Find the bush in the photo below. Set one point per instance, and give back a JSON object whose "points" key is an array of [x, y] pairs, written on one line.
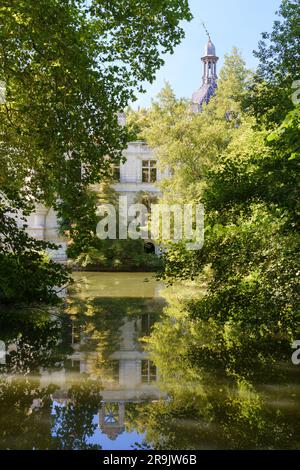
{"points": [[26, 272]]}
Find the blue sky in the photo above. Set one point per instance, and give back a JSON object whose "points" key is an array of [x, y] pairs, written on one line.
{"points": [[231, 23]]}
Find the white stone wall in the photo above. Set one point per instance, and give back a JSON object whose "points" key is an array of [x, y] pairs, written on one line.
{"points": [[131, 172], [43, 225]]}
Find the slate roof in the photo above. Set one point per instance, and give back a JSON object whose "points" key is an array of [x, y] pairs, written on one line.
{"points": [[209, 49]]}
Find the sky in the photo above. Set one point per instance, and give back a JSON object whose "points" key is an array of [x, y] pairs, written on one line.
{"points": [[230, 23]]}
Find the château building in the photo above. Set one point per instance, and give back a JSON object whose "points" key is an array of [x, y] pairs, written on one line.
{"points": [[139, 174]]}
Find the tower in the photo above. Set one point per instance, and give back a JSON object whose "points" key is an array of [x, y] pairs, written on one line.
{"points": [[209, 79]]}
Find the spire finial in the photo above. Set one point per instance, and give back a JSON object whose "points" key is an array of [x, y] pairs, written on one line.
{"points": [[206, 30]]}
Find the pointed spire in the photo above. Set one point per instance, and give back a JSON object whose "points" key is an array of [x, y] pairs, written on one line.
{"points": [[209, 79], [210, 63]]}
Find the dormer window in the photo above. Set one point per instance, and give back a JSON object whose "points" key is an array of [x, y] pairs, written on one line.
{"points": [[149, 171]]}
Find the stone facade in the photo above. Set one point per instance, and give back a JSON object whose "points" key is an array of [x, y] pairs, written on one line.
{"points": [[139, 173], [43, 225]]}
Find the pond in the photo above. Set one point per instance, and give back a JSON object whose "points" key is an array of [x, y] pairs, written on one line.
{"points": [[81, 376]]}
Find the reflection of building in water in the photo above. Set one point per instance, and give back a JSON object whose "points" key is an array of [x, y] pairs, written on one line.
{"points": [[131, 376], [112, 418], [128, 376]]}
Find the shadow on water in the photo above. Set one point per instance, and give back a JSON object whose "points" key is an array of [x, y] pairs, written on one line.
{"points": [[82, 377]]}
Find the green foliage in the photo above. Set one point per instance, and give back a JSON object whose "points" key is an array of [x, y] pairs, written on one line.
{"points": [[117, 255], [17, 419], [66, 82], [68, 68], [136, 121], [26, 272], [210, 403], [248, 180], [189, 144], [233, 82], [39, 338], [28, 427], [279, 66], [87, 251]]}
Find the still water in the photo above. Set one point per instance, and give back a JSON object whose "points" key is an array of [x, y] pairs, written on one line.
{"points": [[82, 377]]}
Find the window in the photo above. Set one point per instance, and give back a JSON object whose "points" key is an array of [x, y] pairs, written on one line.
{"points": [[149, 171], [113, 370], [116, 172], [148, 372]]}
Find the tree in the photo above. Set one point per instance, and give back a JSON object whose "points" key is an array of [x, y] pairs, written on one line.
{"points": [[68, 67], [26, 272], [189, 143], [247, 179], [136, 121], [87, 251], [279, 67], [232, 85]]}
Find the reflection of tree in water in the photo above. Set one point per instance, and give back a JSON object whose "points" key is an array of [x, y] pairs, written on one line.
{"points": [[25, 414], [34, 338], [224, 418], [28, 420], [73, 420], [209, 405], [43, 339]]}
